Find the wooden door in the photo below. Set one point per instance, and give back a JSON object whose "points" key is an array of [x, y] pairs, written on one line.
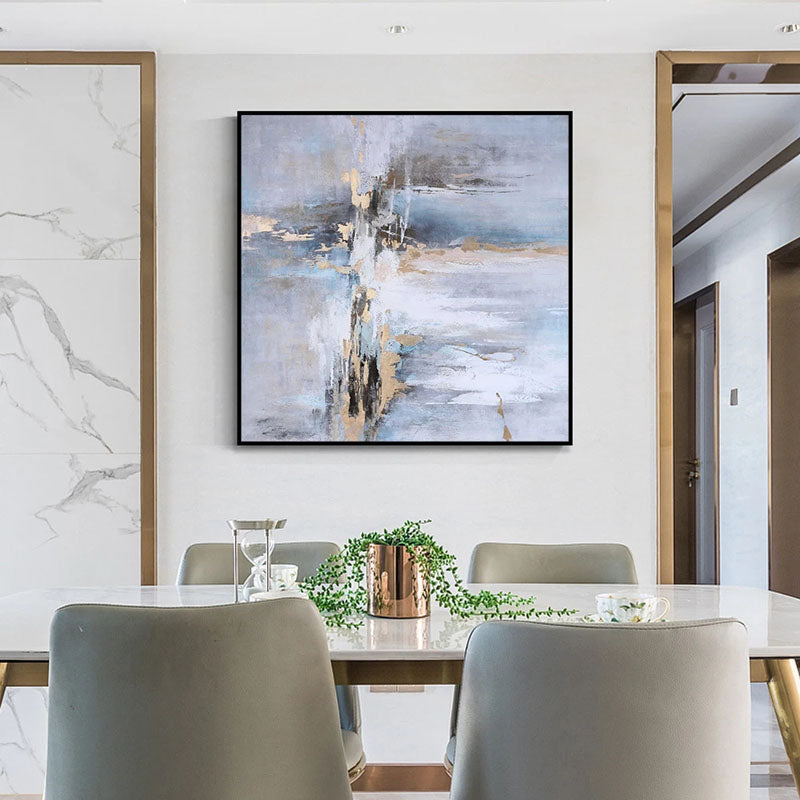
{"points": [[784, 410], [696, 438]]}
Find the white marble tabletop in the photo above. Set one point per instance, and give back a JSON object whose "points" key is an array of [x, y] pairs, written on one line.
{"points": [[772, 620]]}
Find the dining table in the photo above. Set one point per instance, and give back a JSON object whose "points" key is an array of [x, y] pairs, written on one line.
{"points": [[430, 650]]}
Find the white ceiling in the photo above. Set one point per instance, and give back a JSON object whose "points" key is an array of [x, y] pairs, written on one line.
{"points": [[772, 190], [451, 26], [720, 139]]}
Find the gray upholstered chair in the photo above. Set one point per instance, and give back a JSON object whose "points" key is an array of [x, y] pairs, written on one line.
{"points": [[499, 562], [607, 712], [503, 562], [219, 703], [209, 563]]}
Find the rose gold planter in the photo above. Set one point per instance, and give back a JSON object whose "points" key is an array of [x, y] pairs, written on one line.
{"points": [[396, 586]]}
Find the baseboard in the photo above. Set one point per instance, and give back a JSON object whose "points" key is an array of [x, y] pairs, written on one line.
{"points": [[403, 778]]}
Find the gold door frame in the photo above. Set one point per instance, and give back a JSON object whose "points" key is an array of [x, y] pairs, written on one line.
{"points": [[687, 67], [147, 267]]}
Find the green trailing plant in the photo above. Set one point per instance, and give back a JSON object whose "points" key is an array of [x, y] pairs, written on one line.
{"points": [[338, 588]]}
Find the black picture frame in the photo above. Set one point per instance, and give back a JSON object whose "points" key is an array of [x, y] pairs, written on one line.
{"points": [[455, 443]]}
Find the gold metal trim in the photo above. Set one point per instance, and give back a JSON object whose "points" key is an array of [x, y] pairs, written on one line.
{"points": [[403, 778], [668, 62], [354, 773], [26, 673], [664, 303], [147, 321], [448, 765], [345, 673], [147, 267], [758, 671], [784, 689], [3, 680], [723, 57], [397, 673]]}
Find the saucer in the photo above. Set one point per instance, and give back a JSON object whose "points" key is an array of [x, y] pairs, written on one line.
{"points": [[596, 618], [274, 594]]}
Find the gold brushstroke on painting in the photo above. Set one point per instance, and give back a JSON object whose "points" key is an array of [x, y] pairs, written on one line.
{"points": [[502, 413]]}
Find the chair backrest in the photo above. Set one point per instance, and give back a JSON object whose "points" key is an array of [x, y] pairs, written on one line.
{"points": [[607, 712], [212, 562], [499, 562], [218, 703]]}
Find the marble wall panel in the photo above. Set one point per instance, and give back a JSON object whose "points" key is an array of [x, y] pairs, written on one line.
{"points": [[69, 162], [69, 351]]}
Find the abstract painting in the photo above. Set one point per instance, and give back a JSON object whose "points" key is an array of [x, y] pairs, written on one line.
{"points": [[405, 278]]}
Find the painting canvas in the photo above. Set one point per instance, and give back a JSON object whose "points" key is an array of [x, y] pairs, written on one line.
{"points": [[405, 278]]}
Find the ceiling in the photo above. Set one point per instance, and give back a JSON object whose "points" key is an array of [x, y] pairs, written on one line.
{"points": [[446, 26], [721, 139]]}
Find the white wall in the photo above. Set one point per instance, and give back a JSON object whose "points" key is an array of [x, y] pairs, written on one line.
{"points": [[601, 489], [737, 258]]}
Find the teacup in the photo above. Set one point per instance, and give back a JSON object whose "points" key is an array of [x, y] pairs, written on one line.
{"points": [[630, 607], [283, 577]]}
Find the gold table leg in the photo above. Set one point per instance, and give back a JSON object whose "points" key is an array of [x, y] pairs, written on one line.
{"points": [[784, 689], [3, 679]]}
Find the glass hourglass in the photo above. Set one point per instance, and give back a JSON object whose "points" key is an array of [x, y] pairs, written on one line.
{"points": [[254, 547]]}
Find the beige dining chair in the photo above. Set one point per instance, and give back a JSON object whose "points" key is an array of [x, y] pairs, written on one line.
{"points": [[219, 703], [607, 712], [211, 563], [504, 562], [501, 562]]}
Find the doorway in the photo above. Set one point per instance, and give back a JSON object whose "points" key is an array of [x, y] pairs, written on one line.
{"points": [[716, 74], [783, 293], [696, 437]]}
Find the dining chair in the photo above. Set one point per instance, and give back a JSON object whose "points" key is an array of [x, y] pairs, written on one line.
{"points": [[504, 562], [608, 712], [501, 562], [210, 563], [219, 703]]}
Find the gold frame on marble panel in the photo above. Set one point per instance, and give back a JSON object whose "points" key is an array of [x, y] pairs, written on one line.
{"points": [[667, 62], [147, 267]]}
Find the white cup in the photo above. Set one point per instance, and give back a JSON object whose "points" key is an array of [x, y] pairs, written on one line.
{"points": [[283, 577], [630, 607]]}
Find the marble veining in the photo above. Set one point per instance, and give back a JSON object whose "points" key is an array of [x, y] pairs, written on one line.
{"points": [[91, 247], [126, 135], [23, 738], [70, 162], [69, 400], [89, 488], [69, 517], [13, 87], [69, 350]]}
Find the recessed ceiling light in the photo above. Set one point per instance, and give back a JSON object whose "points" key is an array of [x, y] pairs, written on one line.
{"points": [[397, 30], [791, 27]]}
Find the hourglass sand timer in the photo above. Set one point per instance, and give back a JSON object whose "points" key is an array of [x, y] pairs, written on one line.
{"points": [[256, 544]]}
